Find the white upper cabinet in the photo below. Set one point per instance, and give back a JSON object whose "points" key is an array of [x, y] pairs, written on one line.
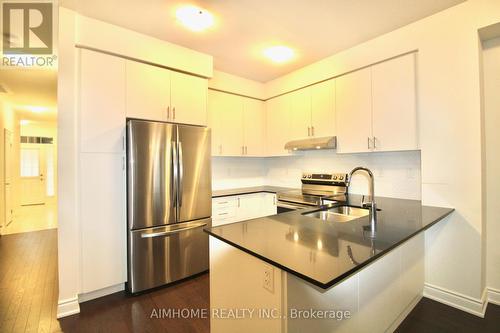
{"points": [[102, 102], [300, 114], [156, 93], [254, 120], [353, 112], [394, 104], [226, 122], [278, 125], [188, 99], [238, 125], [148, 91], [323, 109]]}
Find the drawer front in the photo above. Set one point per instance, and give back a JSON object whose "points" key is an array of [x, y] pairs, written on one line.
{"points": [[224, 212], [158, 256], [224, 202]]}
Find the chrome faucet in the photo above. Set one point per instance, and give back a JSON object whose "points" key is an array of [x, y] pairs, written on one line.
{"points": [[371, 205]]}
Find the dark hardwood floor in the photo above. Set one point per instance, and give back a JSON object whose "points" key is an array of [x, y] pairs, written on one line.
{"points": [[28, 300], [28, 282], [433, 317]]}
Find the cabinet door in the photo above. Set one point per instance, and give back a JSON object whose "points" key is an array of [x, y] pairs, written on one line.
{"points": [[394, 104], [254, 127], [226, 122], [148, 91], [300, 114], [102, 219], [269, 204], [102, 102], [323, 109], [278, 125], [188, 99], [353, 112]]}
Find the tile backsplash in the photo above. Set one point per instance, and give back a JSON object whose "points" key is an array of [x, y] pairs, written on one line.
{"points": [[397, 174]]}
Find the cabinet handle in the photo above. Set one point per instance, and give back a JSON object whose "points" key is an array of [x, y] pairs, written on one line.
{"points": [[369, 143], [246, 150], [274, 200], [222, 214], [312, 130], [168, 112], [242, 150], [308, 131], [173, 112], [238, 202], [374, 142]]}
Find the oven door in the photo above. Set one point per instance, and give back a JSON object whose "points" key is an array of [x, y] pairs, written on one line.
{"points": [[286, 206]]}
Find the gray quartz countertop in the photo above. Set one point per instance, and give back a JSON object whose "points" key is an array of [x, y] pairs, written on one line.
{"points": [[248, 190], [290, 241]]}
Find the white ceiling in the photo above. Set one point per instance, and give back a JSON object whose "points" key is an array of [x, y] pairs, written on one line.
{"points": [[315, 29], [31, 87]]}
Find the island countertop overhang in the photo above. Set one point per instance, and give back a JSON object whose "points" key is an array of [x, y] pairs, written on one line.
{"points": [[325, 253]]}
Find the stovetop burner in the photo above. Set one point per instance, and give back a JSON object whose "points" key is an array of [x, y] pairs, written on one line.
{"points": [[315, 187]]}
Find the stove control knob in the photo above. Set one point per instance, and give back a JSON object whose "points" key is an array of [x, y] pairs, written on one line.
{"points": [[308, 176], [341, 177], [334, 177]]}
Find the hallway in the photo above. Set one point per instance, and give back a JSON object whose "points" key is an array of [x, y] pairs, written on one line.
{"points": [[33, 218]]}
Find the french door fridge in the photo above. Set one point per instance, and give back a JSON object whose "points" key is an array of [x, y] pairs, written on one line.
{"points": [[168, 202]]}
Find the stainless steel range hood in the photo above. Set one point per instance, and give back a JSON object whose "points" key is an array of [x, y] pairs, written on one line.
{"points": [[327, 142]]}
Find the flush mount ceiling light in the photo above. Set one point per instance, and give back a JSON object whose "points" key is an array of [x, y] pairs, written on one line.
{"points": [[194, 18], [35, 109], [279, 54]]}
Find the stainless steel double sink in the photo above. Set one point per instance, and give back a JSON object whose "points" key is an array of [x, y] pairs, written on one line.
{"points": [[339, 214]]}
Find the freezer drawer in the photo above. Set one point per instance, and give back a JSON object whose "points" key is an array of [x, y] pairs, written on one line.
{"points": [[161, 255]]}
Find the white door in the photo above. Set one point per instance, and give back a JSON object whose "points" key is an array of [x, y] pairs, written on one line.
{"points": [[353, 98], [254, 123], [323, 109], [188, 99], [300, 114], [148, 91], [9, 159], [394, 104], [102, 102], [32, 175], [103, 221], [278, 125]]}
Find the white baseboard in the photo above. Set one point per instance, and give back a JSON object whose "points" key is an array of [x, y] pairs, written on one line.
{"points": [[462, 302], [404, 314], [67, 307], [101, 292], [494, 296]]}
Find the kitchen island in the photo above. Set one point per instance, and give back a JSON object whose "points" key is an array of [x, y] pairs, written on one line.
{"points": [[293, 267]]}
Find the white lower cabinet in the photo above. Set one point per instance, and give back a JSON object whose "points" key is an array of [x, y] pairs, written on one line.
{"points": [[103, 220], [237, 208]]}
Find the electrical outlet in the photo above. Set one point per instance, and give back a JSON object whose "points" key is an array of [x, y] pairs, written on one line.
{"points": [[268, 278]]}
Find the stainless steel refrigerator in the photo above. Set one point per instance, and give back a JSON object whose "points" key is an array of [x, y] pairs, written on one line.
{"points": [[168, 202]]}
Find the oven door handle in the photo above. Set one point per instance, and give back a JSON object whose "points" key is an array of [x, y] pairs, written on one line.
{"points": [[292, 206]]}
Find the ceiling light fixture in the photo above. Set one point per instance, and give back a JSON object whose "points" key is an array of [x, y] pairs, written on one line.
{"points": [[279, 54], [36, 109], [194, 18]]}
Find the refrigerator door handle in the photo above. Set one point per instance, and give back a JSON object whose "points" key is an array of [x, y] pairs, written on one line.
{"points": [[174, 173], [181, 174], [172, 232]]}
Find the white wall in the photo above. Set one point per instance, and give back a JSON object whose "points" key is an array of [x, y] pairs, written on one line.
{"points": [[235, 172], [397, 174], [449, 112], [491, 68], [235, 84]]}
